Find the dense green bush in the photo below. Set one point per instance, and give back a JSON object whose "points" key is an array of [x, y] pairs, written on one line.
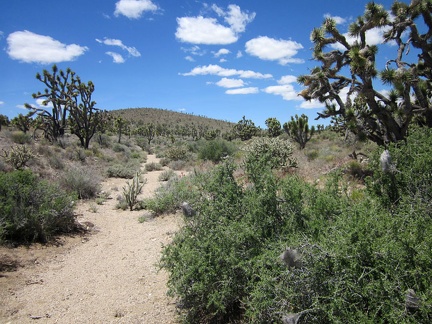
{"points": [[215, 150], [32, 209], [358, 261]]}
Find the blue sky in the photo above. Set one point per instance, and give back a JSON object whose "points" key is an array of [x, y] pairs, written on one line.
{"points": [[221, 59]]}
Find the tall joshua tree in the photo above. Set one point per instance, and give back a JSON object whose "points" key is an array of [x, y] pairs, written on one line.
{"points": [[346, 79], [298, 129], [66, 102]]}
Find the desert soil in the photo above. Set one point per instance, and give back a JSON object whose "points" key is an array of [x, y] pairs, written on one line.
{"points": [[108, 276]]}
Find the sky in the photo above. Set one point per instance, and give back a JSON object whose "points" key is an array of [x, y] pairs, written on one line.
{"points": [[221, 59]]}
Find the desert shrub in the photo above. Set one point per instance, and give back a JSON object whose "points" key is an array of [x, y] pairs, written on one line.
{"points": [[312, 154], [357, 170], [153, 166], [166, 175], [126, 170], [173, 193], [267, 153], [56, 162], [410, 174], [177, 165], [357, 261], [20, 137], [164, 162], [18, 156], [103, 140], [175, 153], [82, 181], [120, 148], [215, 150], [32, 209]]}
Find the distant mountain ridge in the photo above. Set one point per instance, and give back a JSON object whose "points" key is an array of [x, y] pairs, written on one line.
{"points": [[170, 117]]}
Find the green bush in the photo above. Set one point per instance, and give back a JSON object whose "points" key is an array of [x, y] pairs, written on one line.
{"points": [[173, 193], [264, 153], [82, 181], [357, 261], [31, 209], [215, 150]]}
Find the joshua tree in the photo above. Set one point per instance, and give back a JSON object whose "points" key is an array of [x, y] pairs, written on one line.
{"points": [[346, 78], [274, 127], [298, 129], [245, 129], [66, 97]]}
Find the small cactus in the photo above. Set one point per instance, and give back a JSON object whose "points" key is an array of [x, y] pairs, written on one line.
{"points": [[132, 190], [18, 156]]}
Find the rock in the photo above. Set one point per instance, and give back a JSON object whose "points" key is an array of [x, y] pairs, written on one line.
{"points": [[188, 211]]}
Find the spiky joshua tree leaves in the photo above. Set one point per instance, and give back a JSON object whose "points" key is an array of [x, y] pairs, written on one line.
{"points": [[346, 80], [298, 129]]}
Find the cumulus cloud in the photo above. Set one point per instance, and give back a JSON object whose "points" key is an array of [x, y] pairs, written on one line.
{"points": [[117, 58], [222, 51], [230, 83], [250, 90], [236, 18], [209, 31], [2, 103], [200, 30], [285, 89], [29, 47], [271, 49], [220, 71], [133, 9], [287, 79], [117, 42]]}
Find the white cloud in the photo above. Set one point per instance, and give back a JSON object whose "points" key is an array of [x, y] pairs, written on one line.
{"points": [[271, 49], [29, 47], [287, 79], [287, 91], [239, 54], [117, 42], [2, 103], [235, 17], [200, 30], [189, 58], [220, 71], [230, 83], [133, 9], [222, 51], [313, 104], [337, 19], [250, 90], [117, 58], [203, 30]]}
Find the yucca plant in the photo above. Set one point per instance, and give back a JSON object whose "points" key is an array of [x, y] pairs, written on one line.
{"points": [[132, 190]]}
